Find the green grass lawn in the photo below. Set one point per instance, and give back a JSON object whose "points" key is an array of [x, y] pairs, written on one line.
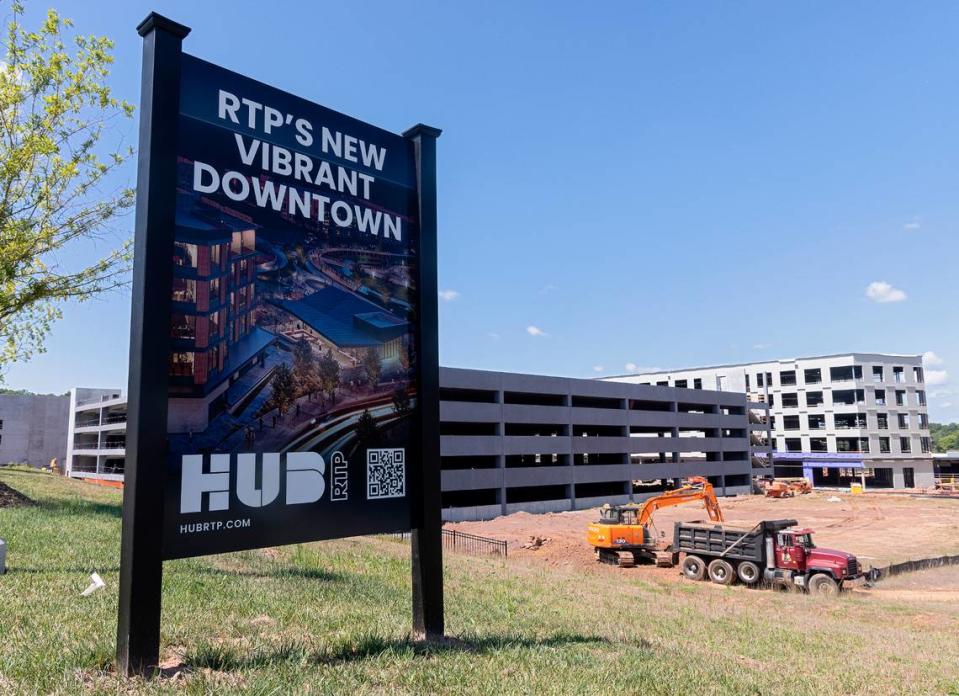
{"points": [[334, 617]]}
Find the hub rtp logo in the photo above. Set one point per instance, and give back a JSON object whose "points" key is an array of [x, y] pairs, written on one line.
{"points": [[304, 474]]}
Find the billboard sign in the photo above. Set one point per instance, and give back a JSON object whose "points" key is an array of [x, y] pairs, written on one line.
{"points": [[292, 404]]}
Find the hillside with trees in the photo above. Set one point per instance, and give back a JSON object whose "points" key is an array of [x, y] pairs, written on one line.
{"points": [[945, 436]]}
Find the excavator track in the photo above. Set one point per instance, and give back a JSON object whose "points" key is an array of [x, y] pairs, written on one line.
{"points": [[623, 559]]}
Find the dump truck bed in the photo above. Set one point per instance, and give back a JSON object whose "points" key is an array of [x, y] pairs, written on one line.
{"points": [[713, 540]]}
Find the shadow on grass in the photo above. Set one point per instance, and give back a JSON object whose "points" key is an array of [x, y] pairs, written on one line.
{"points": [[226, 658]]}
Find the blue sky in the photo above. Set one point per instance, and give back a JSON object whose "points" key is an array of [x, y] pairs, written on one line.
{"points": [[649, 185]]}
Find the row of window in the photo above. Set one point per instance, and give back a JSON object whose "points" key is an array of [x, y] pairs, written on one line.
{"points": [[846, 397], [854, 444], [846, 421], [845, 373]]}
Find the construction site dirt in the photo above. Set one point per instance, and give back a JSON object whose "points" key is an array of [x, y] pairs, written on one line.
{"points": [[879, 529]]}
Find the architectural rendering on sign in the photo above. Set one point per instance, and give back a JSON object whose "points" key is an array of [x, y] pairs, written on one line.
{"points": [[292, 320], [836, 419]]}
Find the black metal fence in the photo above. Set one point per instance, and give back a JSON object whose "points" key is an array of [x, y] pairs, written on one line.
{"points": [[470, 543], [461, 542]]}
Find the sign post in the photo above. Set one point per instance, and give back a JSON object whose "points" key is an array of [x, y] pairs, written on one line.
{"points": [[284, 375], [141, 567]]}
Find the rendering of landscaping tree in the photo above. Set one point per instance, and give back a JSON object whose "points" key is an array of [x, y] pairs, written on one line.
{"points": [[329, 373], [371, 366], [401, 400], [305, 368], [367, 431], [284, 388], [56, 177]]}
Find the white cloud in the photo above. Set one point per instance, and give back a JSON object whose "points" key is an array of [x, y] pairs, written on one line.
{"points": [[535, 331], [946, 404], [631, 367], [495, 336], [914, 225], [760, 346], [449, 295], [598, 368], [934, 377], [930, 358], [881, 291]]}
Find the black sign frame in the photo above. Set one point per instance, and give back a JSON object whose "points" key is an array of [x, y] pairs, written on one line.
{"points": [[141, 566]]}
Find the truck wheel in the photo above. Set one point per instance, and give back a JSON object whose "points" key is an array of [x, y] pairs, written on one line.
{"points": [[721, 572], [748, 572], [694, 567], [823, 585]]}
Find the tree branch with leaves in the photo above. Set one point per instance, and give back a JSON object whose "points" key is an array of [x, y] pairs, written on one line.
{"points": [[55, 112]]}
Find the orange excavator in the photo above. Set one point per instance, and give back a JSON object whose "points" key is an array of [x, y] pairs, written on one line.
{"points": [[623, 535]]}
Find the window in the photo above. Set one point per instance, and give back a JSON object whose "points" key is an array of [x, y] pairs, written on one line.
{"points": [[845, 373], [790, 400], [681, 384], [897, 374], [817, 444], [181, 364], [697, 383], [791, 422], [215, 291], [877, 373], [903, 421], [215, 255], [747, 383], [814, 398], [845, 421], [884, 445], [184, 254], [923, 421], [900, 397], [813, 376], [184, 290], [769, 379], [882, 421], [1, 424], [924, 444], [759, 380], [817, 422], [182, 326], [920, 397], [787, 378], [880, 397], [793, 444], [905, 445], [917, 373]]}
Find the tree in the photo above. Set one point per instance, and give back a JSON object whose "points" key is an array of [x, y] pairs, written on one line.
{"points": [[367, 431], [329, 371], [401, 400], [305, 369], [55, 171], [371, 366], [945, 436], [284, 388]]}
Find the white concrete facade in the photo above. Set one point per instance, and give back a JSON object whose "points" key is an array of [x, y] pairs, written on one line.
{"points": [[96, 434], [872, 405]]}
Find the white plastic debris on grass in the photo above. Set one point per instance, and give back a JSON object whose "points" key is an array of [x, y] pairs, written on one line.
{"points": [[96, 583]]}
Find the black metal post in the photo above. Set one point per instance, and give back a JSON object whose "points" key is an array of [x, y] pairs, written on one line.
{"points": [[141, 563], [426, 537]]}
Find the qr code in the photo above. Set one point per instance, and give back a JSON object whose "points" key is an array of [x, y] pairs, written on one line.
{"points": [[385, 473]]}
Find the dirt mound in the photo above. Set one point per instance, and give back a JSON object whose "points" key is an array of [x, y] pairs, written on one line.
{"points": [[11, 498]]}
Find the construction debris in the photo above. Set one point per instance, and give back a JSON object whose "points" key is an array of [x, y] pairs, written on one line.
{"points": [[534, 543], [96, 583]]}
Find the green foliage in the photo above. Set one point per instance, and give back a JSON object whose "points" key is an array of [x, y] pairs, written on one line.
{"points": [[55, 109], [329, 374], [367, 431], [945, 436], [305, 368], [371, 366], [284, 388]]}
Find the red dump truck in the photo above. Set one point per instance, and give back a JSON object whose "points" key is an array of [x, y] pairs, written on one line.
{"points": [[773, 553]]}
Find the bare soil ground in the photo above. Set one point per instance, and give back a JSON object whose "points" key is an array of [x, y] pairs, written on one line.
{"points": [[11, 498], [879, 529], [936, 585]]}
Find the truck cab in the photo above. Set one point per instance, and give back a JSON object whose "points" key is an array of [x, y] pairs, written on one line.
{"points": [[822, 570]]}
